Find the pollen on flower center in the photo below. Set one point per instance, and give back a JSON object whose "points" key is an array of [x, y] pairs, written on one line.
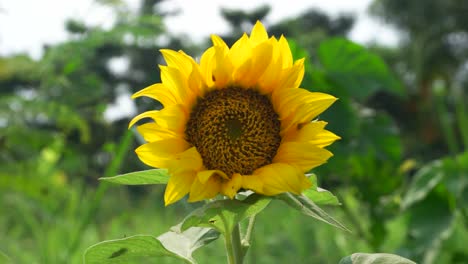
{"points": [[235, 130]]}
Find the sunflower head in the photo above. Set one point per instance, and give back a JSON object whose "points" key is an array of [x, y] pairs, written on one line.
{"points": [[235, 120]]}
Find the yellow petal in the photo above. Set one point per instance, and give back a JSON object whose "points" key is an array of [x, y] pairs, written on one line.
{"points": [[285, 52], [304, 114], [259, 64], [223, 68], [252, 182], [153, 132], [178, 186], [178, 60], [217, 41], [304, 155], [190, 70], [201, 191], [298, 106], [157, 154], [258, 34], [315, 134], [279, 178], [172, 117], [147, 114], [196, 82], [173, 79], [240, 51], [270, 78], [189, 160], [231, 186], [286, 101], [304, 132], [292, 77], [158, 92], [241, 57], [206, 66], [203, 176]]}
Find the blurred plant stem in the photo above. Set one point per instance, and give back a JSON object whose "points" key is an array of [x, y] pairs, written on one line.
{"points": [[93, 206], [447, 128], [248, 234], [462, 117], [233, 244], [355, 222]]}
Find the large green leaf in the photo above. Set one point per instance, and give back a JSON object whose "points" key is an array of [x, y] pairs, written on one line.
{"points": [[378, 258], [356, 71], [156, 176], [430, 223], [173, 243], [308, 207], [127, 249], [223, 215]]}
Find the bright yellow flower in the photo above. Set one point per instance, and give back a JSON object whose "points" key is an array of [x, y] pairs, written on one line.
{"points": [[235, 120]]}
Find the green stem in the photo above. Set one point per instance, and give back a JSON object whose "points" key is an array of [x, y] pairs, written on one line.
{"points": [[248, 234], [447, 129], [229, 248], [236, 245], [233, 246], [362, 234], [462, 117]]}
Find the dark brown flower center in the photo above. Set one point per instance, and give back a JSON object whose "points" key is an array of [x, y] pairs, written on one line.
{"points": [[235, 130]]}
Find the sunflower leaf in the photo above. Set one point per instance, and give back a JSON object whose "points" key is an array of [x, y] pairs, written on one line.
{"points": [[223, 215], [173, 243], [131, 248], [321, 196], [378, 258], [318, 195], [308, 207], [156, 176]]}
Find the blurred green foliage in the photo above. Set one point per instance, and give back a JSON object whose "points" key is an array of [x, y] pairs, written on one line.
{"points": [[400, 170]]}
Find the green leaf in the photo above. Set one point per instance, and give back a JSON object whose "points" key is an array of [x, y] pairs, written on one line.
{"points": [[378, 258], [174, 243], [321, 196], [357, 72], [186, 242], [127, 249], [318, 195], [223, 215], [430, 223], [423, 182], [452, 171], [456, 173], [308, 207], [156, 176]]}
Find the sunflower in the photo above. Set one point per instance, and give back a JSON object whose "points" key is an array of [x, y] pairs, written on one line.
{"points": [[235, 120]]}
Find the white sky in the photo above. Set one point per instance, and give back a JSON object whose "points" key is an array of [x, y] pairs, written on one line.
{"points": [[26, 25]]}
